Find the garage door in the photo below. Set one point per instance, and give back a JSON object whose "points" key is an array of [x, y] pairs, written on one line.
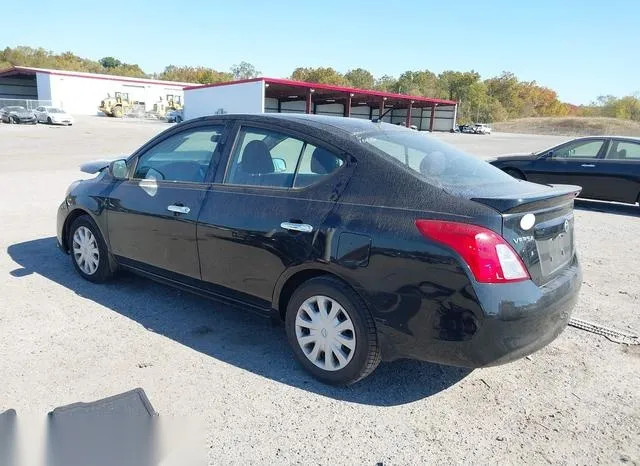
{"points": [[18, 87]]}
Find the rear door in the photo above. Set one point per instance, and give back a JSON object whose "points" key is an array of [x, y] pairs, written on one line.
{"points": [[152, 216], [269, 211], [619, 172], [573, 163]]}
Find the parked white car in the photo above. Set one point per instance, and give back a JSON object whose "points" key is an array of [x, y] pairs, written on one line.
{"points": [[481, 128], [53, 116]]}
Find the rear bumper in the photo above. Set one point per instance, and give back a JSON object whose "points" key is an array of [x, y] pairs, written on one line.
{"points": [[512, 321]]}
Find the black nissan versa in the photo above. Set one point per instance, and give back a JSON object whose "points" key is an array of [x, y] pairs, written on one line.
{"points": [[368, 240]]}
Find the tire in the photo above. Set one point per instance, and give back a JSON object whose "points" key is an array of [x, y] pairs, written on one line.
{"points": [[352, 315], [178, 119], [117, 112], [12, 121], [514, 173], [49, 121], [102, 271]]}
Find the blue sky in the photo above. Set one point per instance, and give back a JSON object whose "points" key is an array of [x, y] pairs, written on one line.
{"points": [[581, 49]]}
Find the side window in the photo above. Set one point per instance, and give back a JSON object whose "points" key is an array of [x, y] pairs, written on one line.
{"points": [[316, 163], [580, 149], [623, 150], [264, 158], [182, 157], [268, 158]]}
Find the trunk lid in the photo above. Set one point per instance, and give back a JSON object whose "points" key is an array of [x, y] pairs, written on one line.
{"points": [[538, 222]]}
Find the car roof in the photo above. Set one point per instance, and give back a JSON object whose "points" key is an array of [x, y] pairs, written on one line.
{"points": [[331, 124], [605, 136]]}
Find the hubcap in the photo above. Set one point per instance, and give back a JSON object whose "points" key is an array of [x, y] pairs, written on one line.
{"points": [[85, 250], [325, 333]]}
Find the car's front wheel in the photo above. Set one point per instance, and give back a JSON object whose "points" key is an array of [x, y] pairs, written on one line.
{"points": [[88, 250], [331, 332]]}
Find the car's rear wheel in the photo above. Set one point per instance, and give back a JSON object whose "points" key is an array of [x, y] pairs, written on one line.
{"points": [[49, 120], [88, 250], [515, 173], [331, 332]]}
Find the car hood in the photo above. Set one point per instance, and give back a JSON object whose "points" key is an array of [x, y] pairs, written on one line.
{"points": [[22, 113], [59, 115]]}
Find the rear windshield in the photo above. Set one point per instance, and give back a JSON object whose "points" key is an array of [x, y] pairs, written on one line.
{"points": [[438, 163]]}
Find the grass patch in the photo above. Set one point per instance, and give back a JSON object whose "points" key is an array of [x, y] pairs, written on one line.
{"points": [[570, 126]]}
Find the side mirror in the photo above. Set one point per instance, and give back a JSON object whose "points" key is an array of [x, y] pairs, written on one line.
{"points": [[118, 169], [279, 165], [549, 155]]}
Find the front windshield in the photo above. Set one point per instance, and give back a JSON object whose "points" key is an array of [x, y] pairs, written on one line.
{"points": [[438, 163], [15, 108]]}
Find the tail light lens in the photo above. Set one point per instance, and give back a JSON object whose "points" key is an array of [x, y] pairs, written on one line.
{"points": [[490, 258]]}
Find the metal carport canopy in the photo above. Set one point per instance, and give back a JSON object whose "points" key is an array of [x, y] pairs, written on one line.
{"points": [[287, 90]]}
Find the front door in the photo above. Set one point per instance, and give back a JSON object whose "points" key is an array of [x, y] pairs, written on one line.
{"points": [[152, 216], [270, 211], [572, 163]]}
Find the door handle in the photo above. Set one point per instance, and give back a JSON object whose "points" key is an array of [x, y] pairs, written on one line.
{"points": [[587, 165], [302, 227], [178, 209]]}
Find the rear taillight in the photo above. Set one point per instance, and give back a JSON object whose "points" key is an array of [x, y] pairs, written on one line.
{"points": [[487, 254]]}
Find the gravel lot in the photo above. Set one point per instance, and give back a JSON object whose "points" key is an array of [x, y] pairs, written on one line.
{"points": [[64, 340]]}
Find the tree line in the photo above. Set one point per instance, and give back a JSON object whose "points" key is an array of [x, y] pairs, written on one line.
{"points": [[498, 98]]}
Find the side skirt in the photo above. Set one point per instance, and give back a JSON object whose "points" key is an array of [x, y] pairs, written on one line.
{"points": [[201, 291]]}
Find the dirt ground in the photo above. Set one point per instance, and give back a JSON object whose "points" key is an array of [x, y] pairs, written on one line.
{"points": [[64, 340]]}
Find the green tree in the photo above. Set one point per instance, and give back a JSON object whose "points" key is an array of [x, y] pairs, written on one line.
{"points": [[191, 74], [386, 83], [319, 75], [41, 58], [456, 85], [110, 62], [360, 78], [244, 70], [627, 108], [423, 83]]}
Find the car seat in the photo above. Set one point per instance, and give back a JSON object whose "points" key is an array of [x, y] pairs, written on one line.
{"points": [[323, 162], [256, 159]]}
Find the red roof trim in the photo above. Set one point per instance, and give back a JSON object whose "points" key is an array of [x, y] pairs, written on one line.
{"points": [[15, 69], [330, 87], [227, 83]]}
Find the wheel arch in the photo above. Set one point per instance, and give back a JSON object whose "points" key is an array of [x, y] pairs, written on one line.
{"points": [[71, 217], [290, 280]]}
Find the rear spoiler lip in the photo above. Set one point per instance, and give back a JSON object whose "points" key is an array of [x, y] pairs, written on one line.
{"points": [[558, 194]]}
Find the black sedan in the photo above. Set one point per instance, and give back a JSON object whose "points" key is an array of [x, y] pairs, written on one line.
{"points": [[17, 114], [370, 241], [607, 168]]}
